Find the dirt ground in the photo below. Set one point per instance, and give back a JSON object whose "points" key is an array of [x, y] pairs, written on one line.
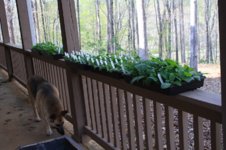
{"points": [[17, 126], [213, 77]]}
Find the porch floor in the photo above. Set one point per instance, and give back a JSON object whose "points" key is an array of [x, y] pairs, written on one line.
{"points": [[17, 126]]}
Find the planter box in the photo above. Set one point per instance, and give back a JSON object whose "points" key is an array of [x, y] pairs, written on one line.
{"points": [[61, 143], [55, 57], [173, 90], [113, 74], [76, 66]]}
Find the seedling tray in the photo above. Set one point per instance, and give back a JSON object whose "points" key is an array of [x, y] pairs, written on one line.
{"points": [[60, 143], [174, 90], [56, 56], [76, 66]]}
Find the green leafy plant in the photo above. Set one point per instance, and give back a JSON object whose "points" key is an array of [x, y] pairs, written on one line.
{"points": [[165, 73], [48, 48]]}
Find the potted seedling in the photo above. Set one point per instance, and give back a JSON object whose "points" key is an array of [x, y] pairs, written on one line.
{"points": [[48, 49]]}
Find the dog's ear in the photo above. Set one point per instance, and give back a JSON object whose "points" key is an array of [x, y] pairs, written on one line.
{"points": [[64, 112]]}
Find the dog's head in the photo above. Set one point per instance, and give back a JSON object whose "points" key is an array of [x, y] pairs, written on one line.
{"points": [[58, 121]]}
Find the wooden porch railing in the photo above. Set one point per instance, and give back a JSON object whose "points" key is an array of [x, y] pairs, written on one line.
{"points": [[118, 115]]}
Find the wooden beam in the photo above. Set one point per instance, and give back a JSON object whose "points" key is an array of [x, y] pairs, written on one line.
{"points": [[6, 39], [27, 32], [26, 23], [4, 24], [77, 104], [68, 24], [222, 29]]}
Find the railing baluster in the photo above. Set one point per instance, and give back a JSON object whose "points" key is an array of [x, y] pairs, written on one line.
{"points": [[87, 104], [108, 112], [91, 103], [122, 123], [147, 122], [114, 109], [66, 91], [96, 106], [158, 125], [198, 133], [130, 119], [183, 129], [216, 136], [170, 135], [102, 110], [138, 121]]}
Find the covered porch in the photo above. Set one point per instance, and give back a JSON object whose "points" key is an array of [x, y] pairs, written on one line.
{"points": [[114, 113]]}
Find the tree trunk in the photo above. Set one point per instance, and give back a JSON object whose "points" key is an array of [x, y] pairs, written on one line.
{"points": [[43, 20], [168, 40], [78, 17], [37, 21], [176, 32], [110, 26], [133, 18], [98, 23], [142, 30], [11, 24], [193, 35], [159, 23], [182, 36]]}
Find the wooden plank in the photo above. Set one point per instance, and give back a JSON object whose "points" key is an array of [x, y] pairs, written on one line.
{"points": [[108, 112], [115, 113], [147, 124], [158, 125], [26, 23], [91, 103], [198, 133], [222, 33], [77, 104], [216, 136], [102, 110], [99, 140], [138, 121], [66, 91], [183, 129], [27, 30], [96, 106], [170, 135], [68, 23], [130, 119], [122, 123], [4, 23], [86, 101]]}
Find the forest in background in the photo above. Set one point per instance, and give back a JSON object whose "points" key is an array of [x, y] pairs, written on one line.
{"points": [[183, 30]]}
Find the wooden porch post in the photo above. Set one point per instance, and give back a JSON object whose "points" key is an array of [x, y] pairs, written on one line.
{"points": [[6, 39], [27, 32], [68, 25], [71, 42], [222, 29]]}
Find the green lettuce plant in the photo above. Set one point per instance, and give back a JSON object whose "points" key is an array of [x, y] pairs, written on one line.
{"points": [[48, 48]]}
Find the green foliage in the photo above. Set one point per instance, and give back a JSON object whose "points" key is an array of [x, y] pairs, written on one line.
{"points": [[166, 73], [48, 48]]}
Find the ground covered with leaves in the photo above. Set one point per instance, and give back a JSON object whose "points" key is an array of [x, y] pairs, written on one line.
{"points": [[213, 81]]}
